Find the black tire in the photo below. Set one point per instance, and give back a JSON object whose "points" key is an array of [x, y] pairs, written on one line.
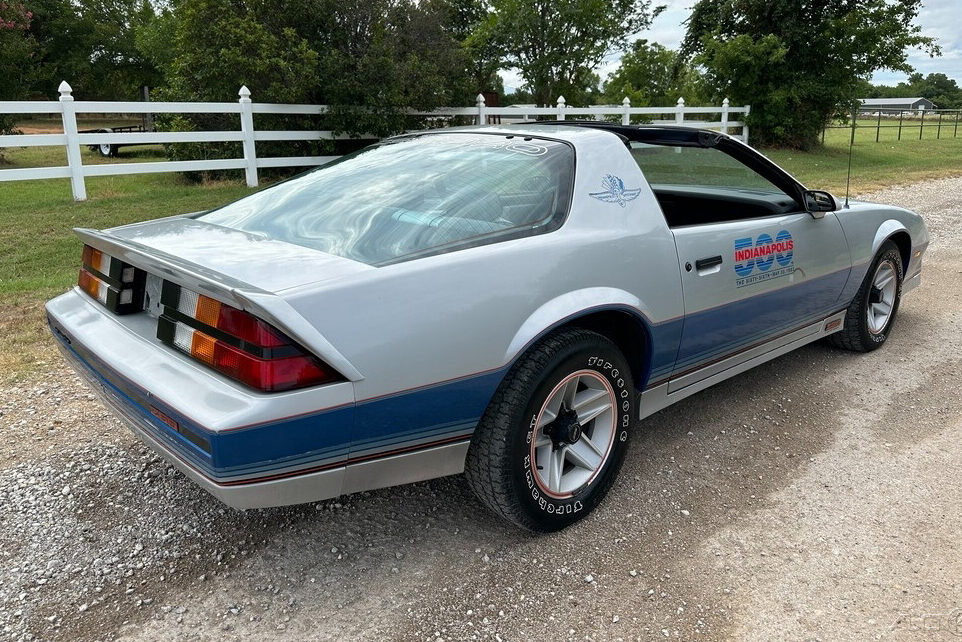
{"points": [[858, 335], [502, 462], [105, 149]]}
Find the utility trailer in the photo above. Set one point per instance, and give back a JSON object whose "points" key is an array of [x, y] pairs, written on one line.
{"points": [[110, 149]]}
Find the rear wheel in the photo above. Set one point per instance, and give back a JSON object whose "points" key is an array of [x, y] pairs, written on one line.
{"points": [[554, 436], [871, 314]]}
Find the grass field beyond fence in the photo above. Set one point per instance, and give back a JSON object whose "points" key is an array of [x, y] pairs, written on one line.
{"points": [[39, 254]]}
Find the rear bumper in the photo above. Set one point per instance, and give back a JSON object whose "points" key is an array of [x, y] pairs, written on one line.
{"points": [[308, 487], [282, 461]]}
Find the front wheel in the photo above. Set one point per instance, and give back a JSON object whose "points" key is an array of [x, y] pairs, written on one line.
{"points": [[871, 314], [553, 438]]}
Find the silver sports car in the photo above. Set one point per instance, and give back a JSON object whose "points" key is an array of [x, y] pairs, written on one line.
{"points": [[505, 302]]}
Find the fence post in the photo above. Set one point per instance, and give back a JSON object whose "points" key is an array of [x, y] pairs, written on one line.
{"points": [[901, 114], [724, 116], [680, 111], [748, 110], [922, 124], [69, 113], [482, 119], [247, 130], [878, 125], [626, 114], [561, 107]]}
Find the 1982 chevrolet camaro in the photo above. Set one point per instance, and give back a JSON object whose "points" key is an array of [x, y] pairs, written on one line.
{"points": [[502, 301]]}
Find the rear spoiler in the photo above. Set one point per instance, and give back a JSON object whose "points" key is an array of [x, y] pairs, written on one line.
{"points": [[266, 305]]}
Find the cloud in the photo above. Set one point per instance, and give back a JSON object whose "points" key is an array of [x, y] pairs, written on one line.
{"points": [[939, 19]]}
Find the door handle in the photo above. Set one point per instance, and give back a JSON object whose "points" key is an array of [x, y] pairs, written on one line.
{"points": [[704, 264]]}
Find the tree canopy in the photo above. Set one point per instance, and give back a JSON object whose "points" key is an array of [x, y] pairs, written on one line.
{"points": [[797, 63], [651, 74], [16, 50], [558, 44]]}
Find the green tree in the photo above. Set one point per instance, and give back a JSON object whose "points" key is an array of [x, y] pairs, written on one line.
{"points": [[651, 74], [92, 44], [219, 45], [799, 63], [461, 20], [62, 46], [17, 48], [219, 48], [939, 88], [557, 44], [381, 58], [371, 61]]}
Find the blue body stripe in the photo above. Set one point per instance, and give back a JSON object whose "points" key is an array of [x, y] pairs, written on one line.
{"points": [[665, 338], [320, 438], [450, 410], [438, 411], [715, 332]]}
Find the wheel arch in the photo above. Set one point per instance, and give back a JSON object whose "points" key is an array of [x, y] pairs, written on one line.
{"points": [[616, 315], [626, 331], [903, 242], [895, 231]]}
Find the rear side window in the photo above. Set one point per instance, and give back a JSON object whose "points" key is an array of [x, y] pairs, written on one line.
{"points": [[693, 166], [415, 197], [701, 185]]}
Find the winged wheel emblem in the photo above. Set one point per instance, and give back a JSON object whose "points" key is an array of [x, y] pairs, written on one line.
{"points": [[615, 191]]}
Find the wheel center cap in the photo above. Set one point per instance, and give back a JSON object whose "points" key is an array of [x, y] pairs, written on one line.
{"points": [[566, 428]]}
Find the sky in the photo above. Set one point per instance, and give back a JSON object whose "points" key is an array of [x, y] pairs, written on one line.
{"points": [[940, 19]]}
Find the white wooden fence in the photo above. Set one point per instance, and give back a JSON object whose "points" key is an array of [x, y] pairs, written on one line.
{"points": [[73, 141]]}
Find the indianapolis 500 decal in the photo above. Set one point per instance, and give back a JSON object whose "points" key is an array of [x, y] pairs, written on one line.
{"points": [[763, 258]]}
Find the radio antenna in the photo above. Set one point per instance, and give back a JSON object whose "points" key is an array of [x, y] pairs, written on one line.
{"points": [[851, 146]]}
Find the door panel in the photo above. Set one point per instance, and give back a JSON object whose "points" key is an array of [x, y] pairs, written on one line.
{"points": [[776, 273]]}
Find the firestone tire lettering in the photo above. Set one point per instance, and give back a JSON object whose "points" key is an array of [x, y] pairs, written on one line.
{"points": [[500, 467]]}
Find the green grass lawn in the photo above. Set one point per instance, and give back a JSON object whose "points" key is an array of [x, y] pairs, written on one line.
{"points": [[876, 165], [40, 256]]}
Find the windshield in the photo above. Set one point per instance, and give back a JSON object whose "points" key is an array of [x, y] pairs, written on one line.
{"points": [[415, 196]]}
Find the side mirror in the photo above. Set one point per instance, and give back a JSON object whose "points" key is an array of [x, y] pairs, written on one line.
{"points": [[818, 202]]}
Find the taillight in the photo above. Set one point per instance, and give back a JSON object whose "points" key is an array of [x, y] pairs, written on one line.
{"points": [[236, 343], [117, 285]]}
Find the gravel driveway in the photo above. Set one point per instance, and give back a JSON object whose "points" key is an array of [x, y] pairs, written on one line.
{"points": [[817, 497]]}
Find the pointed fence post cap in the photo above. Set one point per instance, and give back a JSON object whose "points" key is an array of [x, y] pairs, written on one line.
{"points": [[626, 102], [725, 102], [244, 92], [65, 89], [561, 101], [681, 102], [480, 99]]}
